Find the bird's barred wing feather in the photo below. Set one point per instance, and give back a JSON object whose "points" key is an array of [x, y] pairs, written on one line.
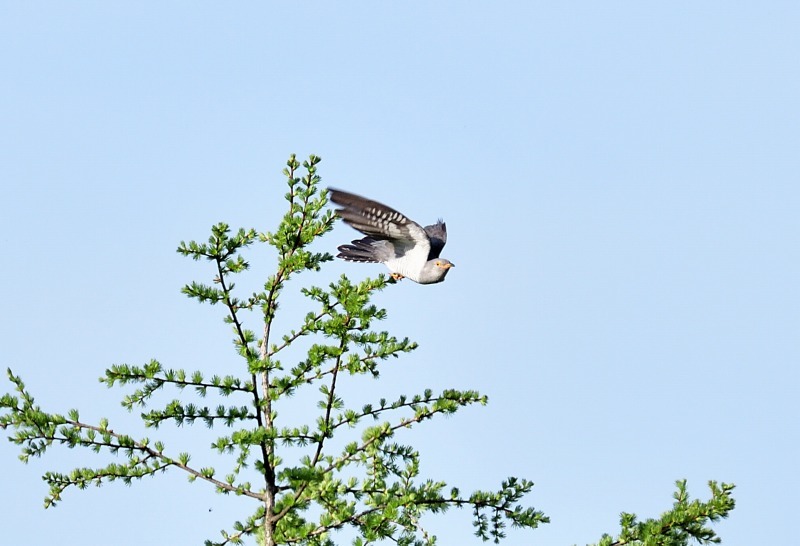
{"points": [[401, 239]]}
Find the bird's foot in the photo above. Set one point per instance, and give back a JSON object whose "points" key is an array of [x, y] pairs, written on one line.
{"points": [[397, 276]]}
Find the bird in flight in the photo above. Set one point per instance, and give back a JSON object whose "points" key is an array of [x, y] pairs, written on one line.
{"points": [[407, 249]]}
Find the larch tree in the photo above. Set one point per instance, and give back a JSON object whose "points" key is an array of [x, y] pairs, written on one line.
{"points": [[343, 470]]}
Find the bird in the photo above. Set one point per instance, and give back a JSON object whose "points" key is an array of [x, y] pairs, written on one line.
{"points": [[405, 247]]}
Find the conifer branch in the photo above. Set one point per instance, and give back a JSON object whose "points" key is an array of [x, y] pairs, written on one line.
{"points": [[686, 522]]}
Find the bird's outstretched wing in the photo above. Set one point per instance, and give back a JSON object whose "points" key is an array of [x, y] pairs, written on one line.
{"points": [[389, 232], [437, 233]]}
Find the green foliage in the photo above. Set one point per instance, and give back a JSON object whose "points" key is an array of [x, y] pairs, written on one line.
{"points": [[687, 521], [365, 481]]}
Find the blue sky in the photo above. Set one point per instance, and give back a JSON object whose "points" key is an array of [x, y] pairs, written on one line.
{"points": [[621, 185]]}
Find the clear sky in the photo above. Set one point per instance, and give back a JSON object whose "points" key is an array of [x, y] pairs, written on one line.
{"points": [[621, 185]]}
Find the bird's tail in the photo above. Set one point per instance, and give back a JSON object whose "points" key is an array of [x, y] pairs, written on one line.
{"points": [[361, 250]]}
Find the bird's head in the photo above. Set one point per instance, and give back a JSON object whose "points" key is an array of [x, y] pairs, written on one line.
{"points": [[434, 271]]}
